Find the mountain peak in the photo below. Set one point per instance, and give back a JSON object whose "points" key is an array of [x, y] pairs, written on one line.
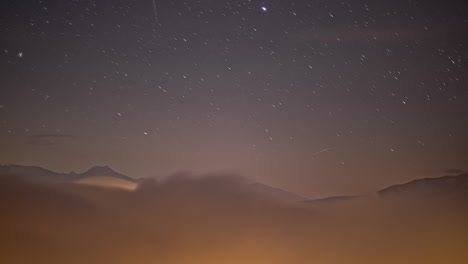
{"points": [[104, 171], [101, 169]]}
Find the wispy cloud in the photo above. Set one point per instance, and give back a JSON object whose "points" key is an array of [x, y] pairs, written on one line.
{"points": [[455, 171], [47, 139]]}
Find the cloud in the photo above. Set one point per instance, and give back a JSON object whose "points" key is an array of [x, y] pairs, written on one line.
{"points": [[455, 171], [48, 139], [195, 219]]}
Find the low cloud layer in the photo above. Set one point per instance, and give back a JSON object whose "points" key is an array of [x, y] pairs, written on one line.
{"points": [[455, 171], [217, 219]]}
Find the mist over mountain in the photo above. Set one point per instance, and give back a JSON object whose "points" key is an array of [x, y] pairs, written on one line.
{"points": [[446, 186], [96, 176], [105, 176], [218, 218]]}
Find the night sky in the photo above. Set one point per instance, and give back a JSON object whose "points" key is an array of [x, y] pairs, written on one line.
{"points": [[317, 97]]}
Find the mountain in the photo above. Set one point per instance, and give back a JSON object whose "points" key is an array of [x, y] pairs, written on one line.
{"points": [[98, 175], [442, 187], [33, 173], [104, 171]]}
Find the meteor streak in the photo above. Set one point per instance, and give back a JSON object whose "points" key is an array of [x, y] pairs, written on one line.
{"points": [[321, 151], [156, 13]]}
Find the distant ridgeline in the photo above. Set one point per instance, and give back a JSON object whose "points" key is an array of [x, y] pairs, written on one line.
{"points": [[446, 187], [98, 175]]}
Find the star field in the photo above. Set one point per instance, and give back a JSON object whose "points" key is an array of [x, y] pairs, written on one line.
{"points": [[320, 97]]}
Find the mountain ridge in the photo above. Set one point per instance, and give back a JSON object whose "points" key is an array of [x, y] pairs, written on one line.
{"points": [[443, 185], [450, 184], [36, 173]]}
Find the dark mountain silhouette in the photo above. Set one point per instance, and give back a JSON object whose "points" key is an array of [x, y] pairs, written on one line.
{"points": [[443, 188], [446, 186], [38, 174], [104, 171], [34, 173]]}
